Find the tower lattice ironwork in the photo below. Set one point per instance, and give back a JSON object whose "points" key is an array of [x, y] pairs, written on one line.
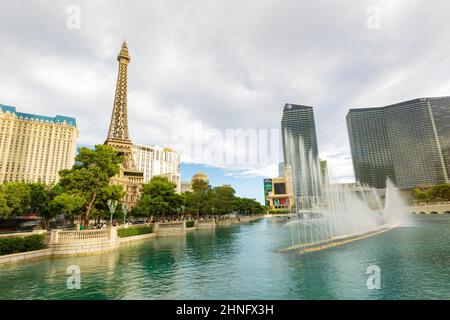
{"points": [[118, 135]]}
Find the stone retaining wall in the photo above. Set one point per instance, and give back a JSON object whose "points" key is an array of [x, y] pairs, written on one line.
{"points": [[205, 224], [17, 257], [427, 209], [76, 243], [164, 229], [84, 249], [223, 222], [237, 220]]}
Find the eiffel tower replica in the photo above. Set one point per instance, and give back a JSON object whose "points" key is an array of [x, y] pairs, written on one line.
{"points": [[118, 137]]}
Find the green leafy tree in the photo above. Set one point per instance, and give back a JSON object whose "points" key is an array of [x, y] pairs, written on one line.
{"points": [[17, 196], [70, 205], [90, 176], [5, 211], [247, 206], [111, 192], [439, 192], [158, 198], [199, 202], [47, 213], [223, 200], [182, 204], [220, 200], [39, 197], [420, 195]]}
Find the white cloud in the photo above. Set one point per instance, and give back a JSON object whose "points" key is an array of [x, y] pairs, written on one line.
{"points": [[228, 64]]}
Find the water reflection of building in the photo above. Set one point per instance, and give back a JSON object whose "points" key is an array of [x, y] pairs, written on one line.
{"points": [[278, 192], [408, 142], [300, 152]]}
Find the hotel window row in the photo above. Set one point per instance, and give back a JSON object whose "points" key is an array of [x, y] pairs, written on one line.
{"points": [[35, 148], [157, 161]]}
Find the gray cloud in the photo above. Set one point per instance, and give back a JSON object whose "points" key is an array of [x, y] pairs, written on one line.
{"points": [[229, 64]]}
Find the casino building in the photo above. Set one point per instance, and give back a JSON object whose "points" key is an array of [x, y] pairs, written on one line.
{"points": [[278, 192], [34, 148]]}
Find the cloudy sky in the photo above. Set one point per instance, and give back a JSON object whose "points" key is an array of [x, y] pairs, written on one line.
{"points": [[223, 65]]}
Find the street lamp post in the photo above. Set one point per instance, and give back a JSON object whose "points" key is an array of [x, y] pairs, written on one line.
{"points": [[112, 207], [182, 210], [125, 211]]}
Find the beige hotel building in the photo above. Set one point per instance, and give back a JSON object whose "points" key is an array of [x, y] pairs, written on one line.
{"points": [[157, 161], [35, 148]]}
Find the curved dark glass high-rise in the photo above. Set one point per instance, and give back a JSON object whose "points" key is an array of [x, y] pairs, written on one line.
{"points": [[408, 142]]}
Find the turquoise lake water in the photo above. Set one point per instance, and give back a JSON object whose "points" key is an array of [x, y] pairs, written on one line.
{"points": [[241, 262]]}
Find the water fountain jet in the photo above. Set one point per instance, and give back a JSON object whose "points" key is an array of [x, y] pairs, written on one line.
{"points": [[327, 214]]}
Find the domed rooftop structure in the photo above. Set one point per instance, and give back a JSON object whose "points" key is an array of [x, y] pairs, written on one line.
{"points": [[200, 176]]}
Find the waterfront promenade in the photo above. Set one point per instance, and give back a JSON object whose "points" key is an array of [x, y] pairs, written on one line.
{"points": [[87, 242]]}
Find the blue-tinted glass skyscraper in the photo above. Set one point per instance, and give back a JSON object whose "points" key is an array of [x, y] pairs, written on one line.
{"points": [[301, 153]]}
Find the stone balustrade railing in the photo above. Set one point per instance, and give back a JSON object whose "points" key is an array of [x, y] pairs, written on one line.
{"points": [[80, 236]]}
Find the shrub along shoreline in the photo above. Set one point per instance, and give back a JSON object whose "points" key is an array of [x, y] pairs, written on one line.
{"points": [[21, 244], [134, 231], [190, 223]]}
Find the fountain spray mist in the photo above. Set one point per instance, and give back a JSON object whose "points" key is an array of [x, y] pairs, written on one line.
{"points": [[326, 212]]}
